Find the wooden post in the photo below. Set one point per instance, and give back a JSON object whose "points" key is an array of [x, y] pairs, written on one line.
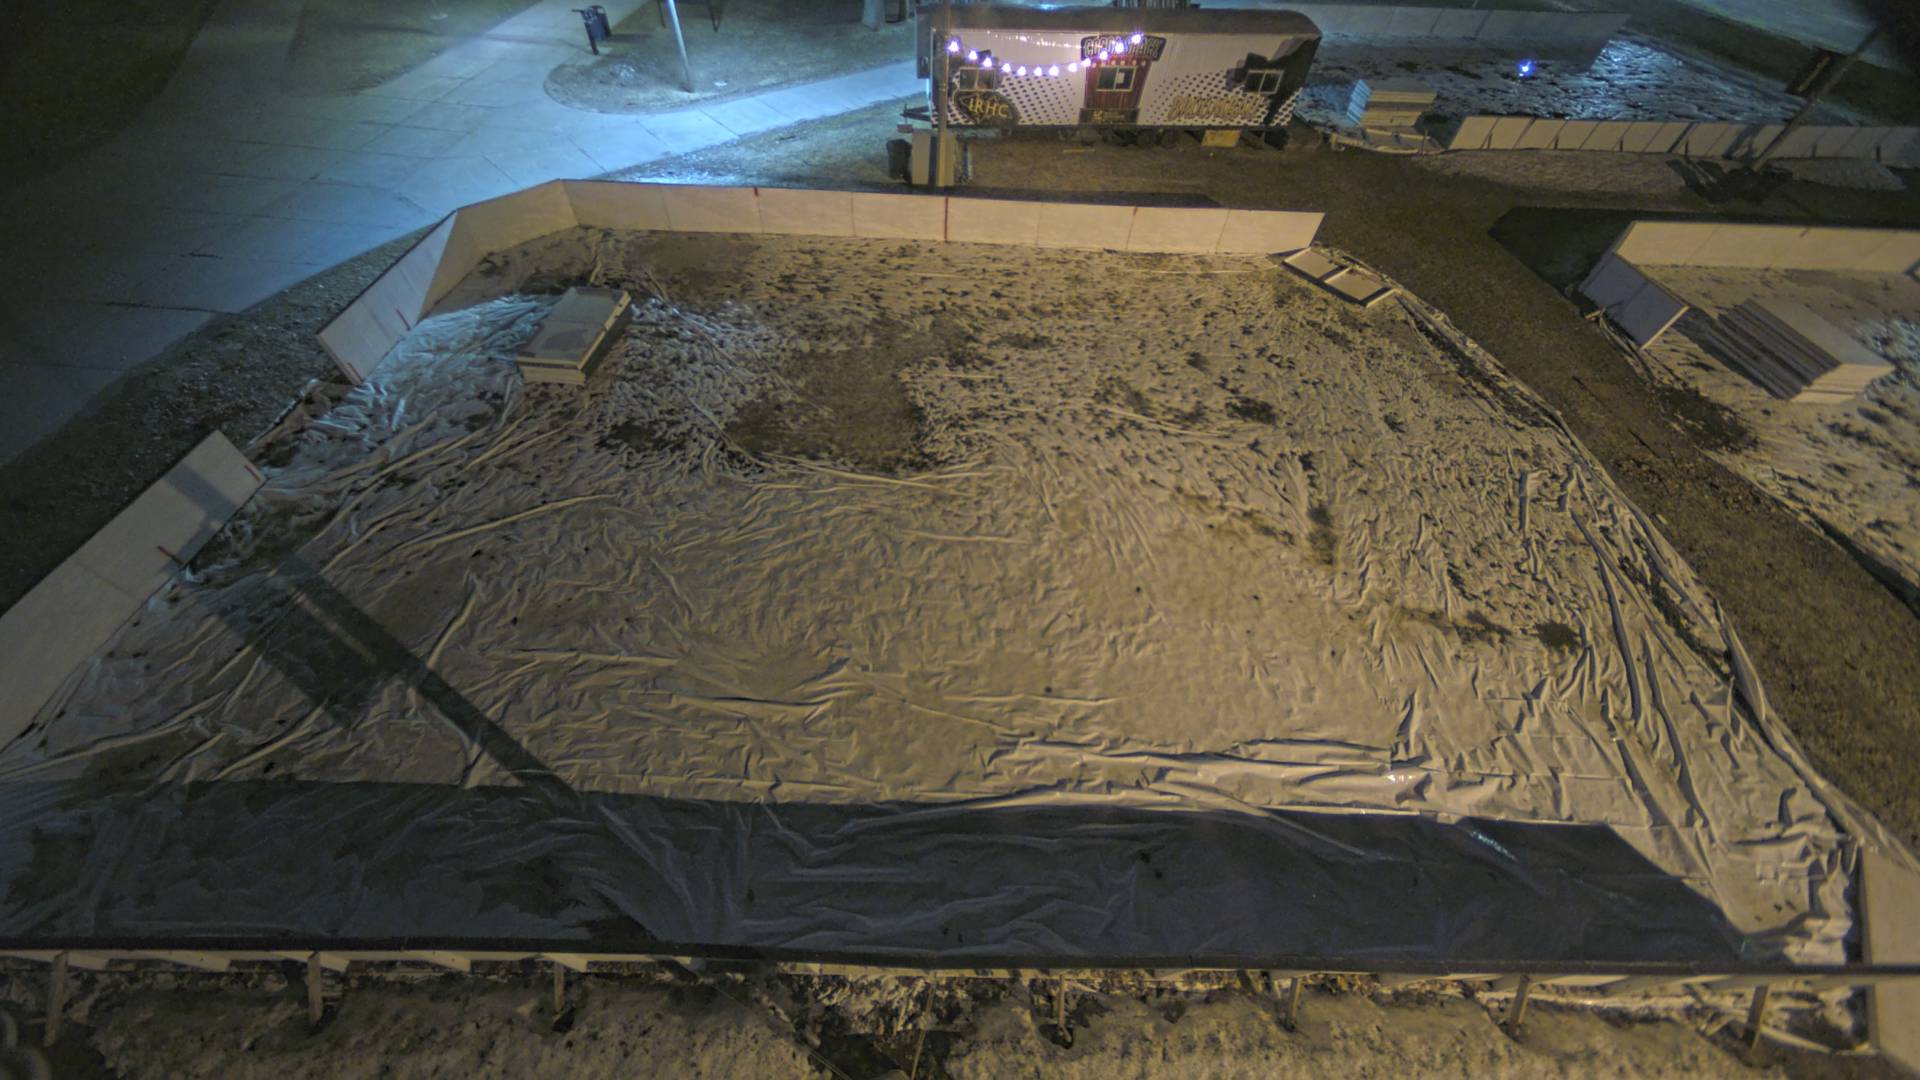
{"points": [[943, 71], [559, 989], [56, 997], [1060, 1008], [1292, 1020], [316, 1001], [1756, 1016], [1517, 1012], [680, 42]]}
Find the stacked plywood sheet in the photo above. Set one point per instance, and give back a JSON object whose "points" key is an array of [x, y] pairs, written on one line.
{"points": [[1796, 354], [1347, 282], [570, 338], [1388, 103]]}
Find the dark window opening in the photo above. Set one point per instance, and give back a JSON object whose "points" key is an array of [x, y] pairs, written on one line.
{"points": [[1114, 78], [973, 78]]}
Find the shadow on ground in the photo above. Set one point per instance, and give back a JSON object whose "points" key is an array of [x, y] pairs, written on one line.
{"points": [[540, 860]]}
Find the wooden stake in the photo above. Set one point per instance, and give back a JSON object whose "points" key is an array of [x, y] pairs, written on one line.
{"points": [[1517, 1012], [1060, 1008], [1292, 1019], [56, 997], [1756, 1016], [316, 1003], [559, 989]]}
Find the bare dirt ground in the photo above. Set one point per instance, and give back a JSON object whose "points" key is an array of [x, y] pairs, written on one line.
{"points": [[759, 45], [797, 1026]]}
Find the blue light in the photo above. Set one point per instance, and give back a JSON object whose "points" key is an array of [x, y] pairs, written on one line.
{"points": [[1526, 68]]}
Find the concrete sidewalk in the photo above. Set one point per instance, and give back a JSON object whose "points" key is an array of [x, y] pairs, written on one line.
{"points": [[229, 189]]}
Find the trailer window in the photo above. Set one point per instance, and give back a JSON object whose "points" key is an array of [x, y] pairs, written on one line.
{"points": [[1263, 82], [973, 78], [1114, 78]]}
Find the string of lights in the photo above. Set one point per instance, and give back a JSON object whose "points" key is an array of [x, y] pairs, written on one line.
{"points": [[986, 60]]}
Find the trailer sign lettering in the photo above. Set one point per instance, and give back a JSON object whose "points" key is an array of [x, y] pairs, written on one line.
{"points": [[985, 107], [1122, 47]]}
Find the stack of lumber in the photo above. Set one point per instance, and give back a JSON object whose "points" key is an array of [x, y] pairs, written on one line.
{"points": [[1388, 103], [1797, 355], [568, 341]]}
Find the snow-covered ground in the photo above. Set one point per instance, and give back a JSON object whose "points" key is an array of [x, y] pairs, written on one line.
{"points": [[1633, 78], [937, 598], [1852, 469]]}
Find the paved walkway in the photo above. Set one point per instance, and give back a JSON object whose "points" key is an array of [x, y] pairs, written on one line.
{"points": [[229, 189]]}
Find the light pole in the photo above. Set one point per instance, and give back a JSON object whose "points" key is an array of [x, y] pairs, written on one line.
{"points": [[680, 42], [1827, 80], [940, 94]]}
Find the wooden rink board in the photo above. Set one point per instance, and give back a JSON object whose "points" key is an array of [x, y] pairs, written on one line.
{"points": [[1890, 916], [363, 333], [64, 620]]}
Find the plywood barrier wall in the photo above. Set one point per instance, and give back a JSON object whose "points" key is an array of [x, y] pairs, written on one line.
{"points": [[364, 332], [1636, 303], [1771, 247], [1893, 145], [63, 621], [369, 326]]}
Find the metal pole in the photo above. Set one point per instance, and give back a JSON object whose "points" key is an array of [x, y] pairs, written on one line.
{"points": [[940, 95], [1825, 84], [680, 42]]}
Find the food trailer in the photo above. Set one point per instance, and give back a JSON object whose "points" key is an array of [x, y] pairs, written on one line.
{"points": [[1101, 67]]}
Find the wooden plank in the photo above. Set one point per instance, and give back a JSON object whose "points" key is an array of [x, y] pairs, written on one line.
{"points": [[1890, 934], [1312, 265], [56, 998], [201, 961], [68, 616], [461, 962], [329, 960]]}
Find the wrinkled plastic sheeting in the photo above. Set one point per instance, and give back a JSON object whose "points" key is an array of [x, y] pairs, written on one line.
{"points": [[1101, 682]]}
